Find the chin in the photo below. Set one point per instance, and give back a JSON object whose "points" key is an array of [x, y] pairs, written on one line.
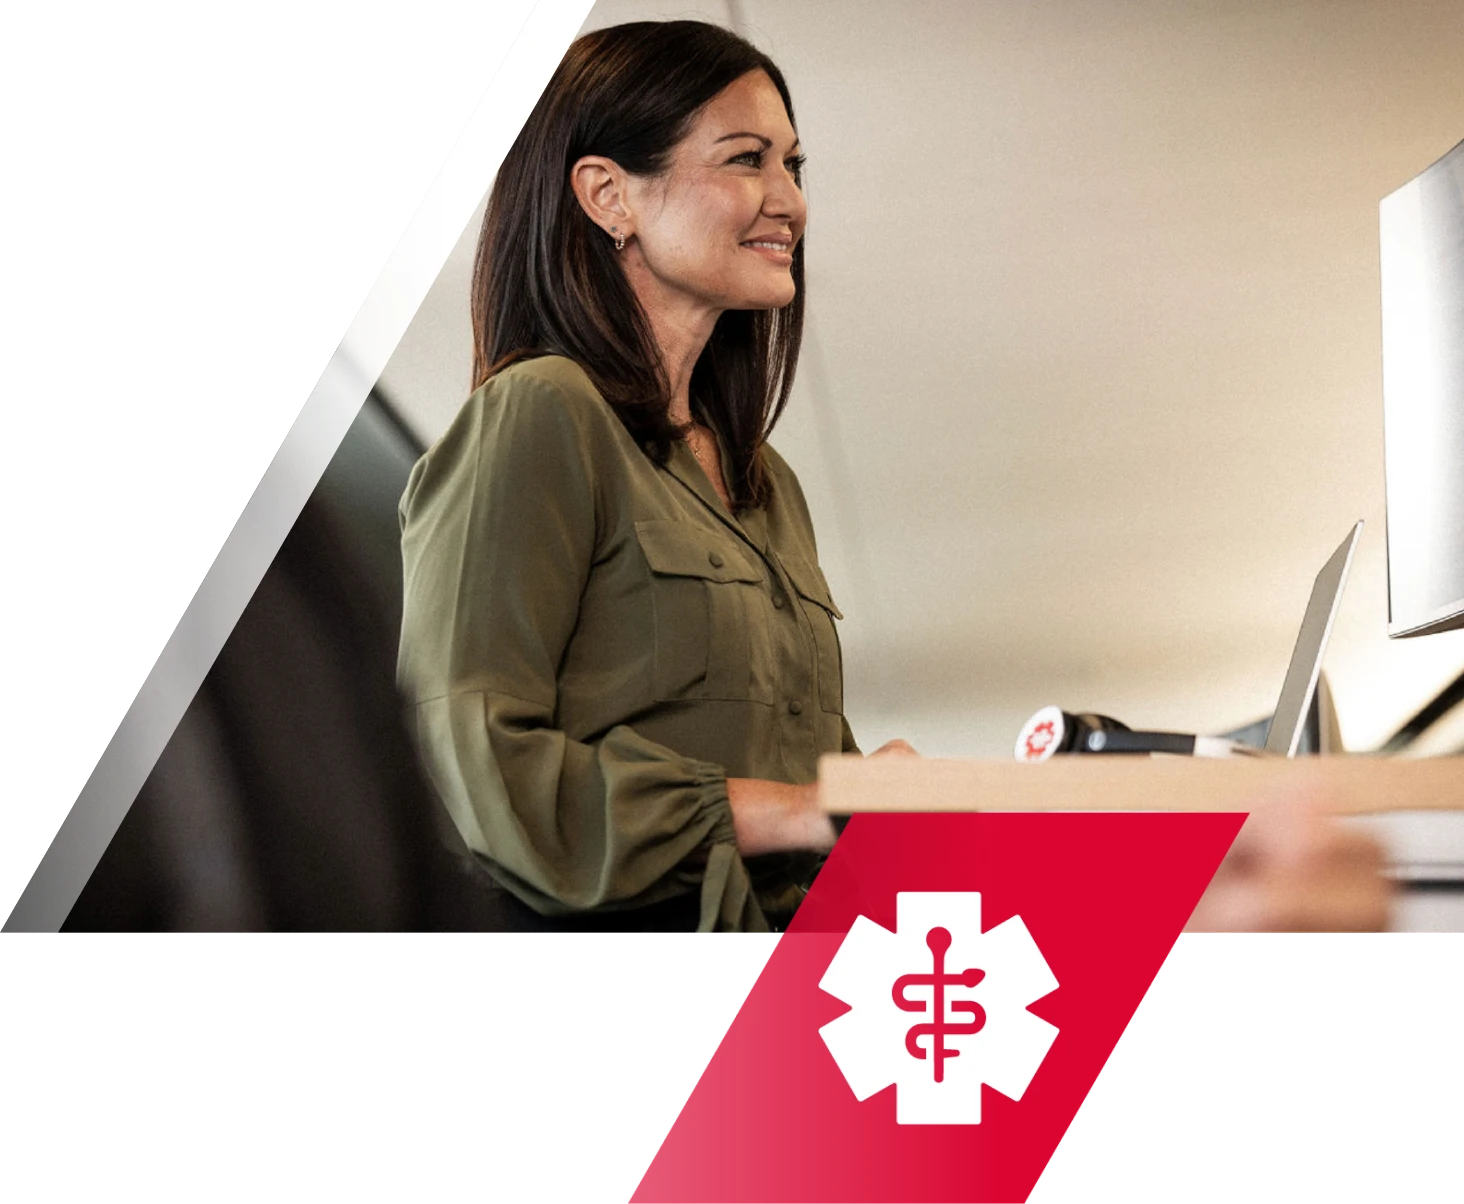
{"points": [[767, 298]]}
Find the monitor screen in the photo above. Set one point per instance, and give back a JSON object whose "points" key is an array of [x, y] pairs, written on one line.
{"points": [[1422, 243]]}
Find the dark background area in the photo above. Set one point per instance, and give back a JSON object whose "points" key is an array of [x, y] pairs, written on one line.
{"points": [[199, 214]]}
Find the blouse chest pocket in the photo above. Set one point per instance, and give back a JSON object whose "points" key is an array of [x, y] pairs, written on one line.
{"points": [[707, 601], [808, 581]]}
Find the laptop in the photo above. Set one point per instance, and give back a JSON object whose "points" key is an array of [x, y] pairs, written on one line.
{"points": [[1051, 730], [1300, 686]]}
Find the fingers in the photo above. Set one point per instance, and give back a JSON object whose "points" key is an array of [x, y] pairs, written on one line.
{"points": [[1295, 868], [894, 748]]}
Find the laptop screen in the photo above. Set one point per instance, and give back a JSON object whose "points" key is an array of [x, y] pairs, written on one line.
{"points": [[1300, 685]]}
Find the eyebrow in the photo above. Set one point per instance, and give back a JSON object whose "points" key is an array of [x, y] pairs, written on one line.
{"points": [[761, 139]]}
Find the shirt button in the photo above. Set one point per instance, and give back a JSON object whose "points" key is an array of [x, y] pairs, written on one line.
{"points": [[715, 559], [778, 602], [795, 707]]}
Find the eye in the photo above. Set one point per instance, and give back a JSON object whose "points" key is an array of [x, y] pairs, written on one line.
{"points": [[754, 158]]}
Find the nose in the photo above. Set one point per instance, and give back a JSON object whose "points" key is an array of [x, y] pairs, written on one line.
{"points": [[785, 200]]}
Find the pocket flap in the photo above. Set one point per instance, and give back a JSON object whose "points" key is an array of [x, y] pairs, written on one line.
{"points": [[675, 549], [808, 580]]}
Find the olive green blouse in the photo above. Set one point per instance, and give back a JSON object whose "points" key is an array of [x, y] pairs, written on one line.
{"points": [[592, 644]]}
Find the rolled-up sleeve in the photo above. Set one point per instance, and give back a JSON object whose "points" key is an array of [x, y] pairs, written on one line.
{"points": [[500, 530]]}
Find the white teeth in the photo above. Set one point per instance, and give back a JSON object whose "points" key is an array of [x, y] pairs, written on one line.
{"points": [[771, 246]]}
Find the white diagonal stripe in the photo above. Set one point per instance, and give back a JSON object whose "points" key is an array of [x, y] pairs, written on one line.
{"points": [[375, 327]]}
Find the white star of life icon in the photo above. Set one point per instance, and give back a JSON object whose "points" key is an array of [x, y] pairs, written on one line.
{"points": [[938, 1008]]}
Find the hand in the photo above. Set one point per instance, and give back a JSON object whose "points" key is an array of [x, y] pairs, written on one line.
{"points": [[1295, 868], [894, 748], [769, 817]]}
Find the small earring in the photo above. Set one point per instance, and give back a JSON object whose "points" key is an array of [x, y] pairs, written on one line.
{"points": [[619, 239]]}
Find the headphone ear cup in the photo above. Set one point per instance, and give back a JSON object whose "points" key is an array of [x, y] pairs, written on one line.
{"points": [[1052, 731], [1100, 723], [1078, 729], [1071, 731], [1049, 732]]}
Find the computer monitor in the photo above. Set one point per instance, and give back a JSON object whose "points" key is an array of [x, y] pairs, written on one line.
{"points": [[1422, 244]]}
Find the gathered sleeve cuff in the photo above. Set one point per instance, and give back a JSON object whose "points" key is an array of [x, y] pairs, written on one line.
{"points": [[727, 900], [571, 826]]}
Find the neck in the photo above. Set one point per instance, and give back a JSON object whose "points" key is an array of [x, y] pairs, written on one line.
{"points": [[681, 328]]}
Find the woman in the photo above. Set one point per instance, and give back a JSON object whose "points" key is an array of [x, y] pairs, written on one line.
{"points": [[617, 644]]}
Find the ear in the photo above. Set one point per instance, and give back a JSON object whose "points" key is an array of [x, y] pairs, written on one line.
{"points": [[600, 187]]}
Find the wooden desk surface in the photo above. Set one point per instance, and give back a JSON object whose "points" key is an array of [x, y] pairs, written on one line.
{"points": [[1347, 785]]}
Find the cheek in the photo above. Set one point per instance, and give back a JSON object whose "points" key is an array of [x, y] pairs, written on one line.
{"points": [[701, 237], [717, 218]]}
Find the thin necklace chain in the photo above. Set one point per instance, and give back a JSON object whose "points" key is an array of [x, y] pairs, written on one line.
{"points": [[711, 467], [695, 437]]}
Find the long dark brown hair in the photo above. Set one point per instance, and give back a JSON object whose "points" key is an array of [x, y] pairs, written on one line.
{"points": [[546, 279]]}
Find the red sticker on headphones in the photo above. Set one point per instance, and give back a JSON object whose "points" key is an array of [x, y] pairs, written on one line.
{"points": [[1041, 735]]}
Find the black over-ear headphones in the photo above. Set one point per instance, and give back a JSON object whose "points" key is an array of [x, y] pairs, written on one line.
{"points": [[1052, 730]]}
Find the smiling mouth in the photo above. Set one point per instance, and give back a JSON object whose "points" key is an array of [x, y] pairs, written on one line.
{"points": [[768, 246]]}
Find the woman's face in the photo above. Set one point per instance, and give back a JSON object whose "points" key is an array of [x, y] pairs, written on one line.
{"points": [[717, 229]]}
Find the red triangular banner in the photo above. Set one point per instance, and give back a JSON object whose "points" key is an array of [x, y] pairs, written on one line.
{"points": [[1102, 895]]}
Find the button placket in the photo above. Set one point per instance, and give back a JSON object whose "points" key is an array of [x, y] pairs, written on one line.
{"points": [[797, 680], [809, 600]]}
